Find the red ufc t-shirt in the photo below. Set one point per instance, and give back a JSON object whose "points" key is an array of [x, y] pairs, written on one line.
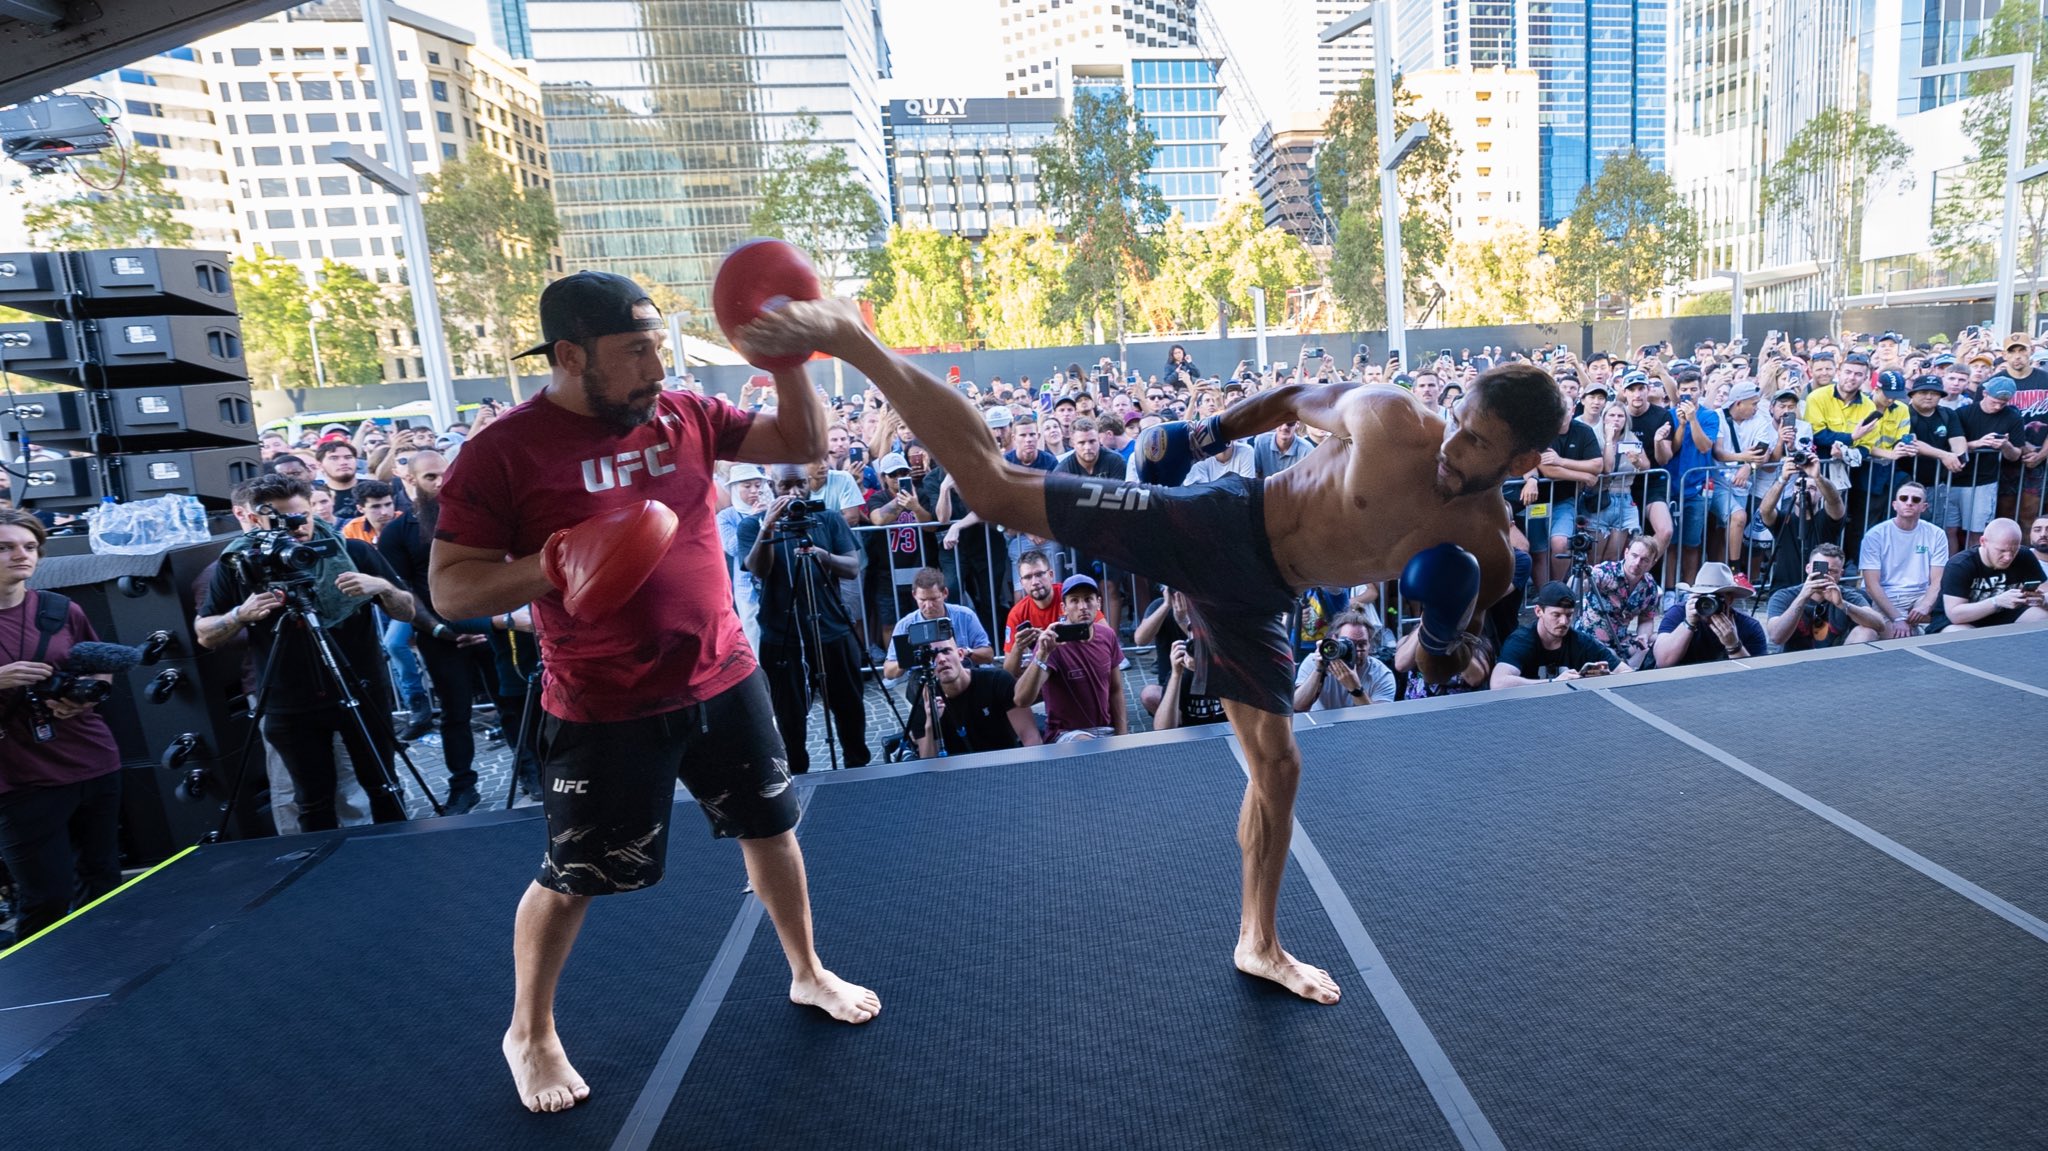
{"points": [[540, 468]]}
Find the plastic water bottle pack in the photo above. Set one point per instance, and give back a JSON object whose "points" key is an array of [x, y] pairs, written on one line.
{"points": [[147, 526]]}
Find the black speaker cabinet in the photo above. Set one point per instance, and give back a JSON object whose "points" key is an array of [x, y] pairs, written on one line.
{"points": [[129, 597], [117, 282], [125, 351], [82, 481], [174, 416]]}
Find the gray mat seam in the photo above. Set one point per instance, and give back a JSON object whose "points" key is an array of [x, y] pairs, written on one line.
{"points": [[1460, 1109], [1998, 906], [1979, 672]]}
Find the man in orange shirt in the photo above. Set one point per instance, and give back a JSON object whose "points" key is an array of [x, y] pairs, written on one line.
{"points": [[378, 505]]}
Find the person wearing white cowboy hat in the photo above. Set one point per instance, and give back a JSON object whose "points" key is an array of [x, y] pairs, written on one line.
{"points": [[1707, 624]]}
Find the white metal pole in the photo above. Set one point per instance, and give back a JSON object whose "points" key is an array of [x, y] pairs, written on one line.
{"points": [[426, 305], [2015, 160], [1259, 322], [319, 369], [1390, 195]]}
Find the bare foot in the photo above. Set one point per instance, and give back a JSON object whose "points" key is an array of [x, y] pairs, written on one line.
{"points": [[1289, 972], [542, 1073], [843, 1001]]}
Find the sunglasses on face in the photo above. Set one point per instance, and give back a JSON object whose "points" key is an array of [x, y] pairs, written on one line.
{"points": [[1910, 500]]}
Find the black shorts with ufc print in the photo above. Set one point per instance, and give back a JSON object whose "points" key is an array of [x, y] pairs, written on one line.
{"points": [[1208, 543], [608, 789]]}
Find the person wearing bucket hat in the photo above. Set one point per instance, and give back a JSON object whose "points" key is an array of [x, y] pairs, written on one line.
{"points": [[1708, 624]]}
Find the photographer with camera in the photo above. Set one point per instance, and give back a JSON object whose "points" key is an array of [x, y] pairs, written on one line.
{"points": [[60, 770], [1549, 647], [1341, 672], [1708, 626], [928, 588], [971, 708], [1073, 662], [1803, 507], [1821, 612], [797, 551], [283, 568]]}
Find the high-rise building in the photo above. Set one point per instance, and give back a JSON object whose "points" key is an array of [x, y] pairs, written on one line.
{"points": [[1600, 74], [169, 105], [1491, 112], [1939, 32], [1317, 73], [1040, 39], [1721, 58], [964, 166], [662, 116], [1284, 177]]}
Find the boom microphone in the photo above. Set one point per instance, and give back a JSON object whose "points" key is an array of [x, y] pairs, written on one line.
{"points": [[91, 658]]}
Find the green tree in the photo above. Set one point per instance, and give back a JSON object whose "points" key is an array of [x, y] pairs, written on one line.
{"points": [[1091, 177], [277, 309], [1630, 232], [1502, 278], [1022, 275], [810, 197], [493, 253], [1830, 170], [134, 212], [1969, 213], [1707, 304], [930, 289], [1347, 172], [1177, 296], [351, 312]]}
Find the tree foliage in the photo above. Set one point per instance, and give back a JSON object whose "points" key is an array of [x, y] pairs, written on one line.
{"points": [[1969, 214], [350, 313], [493, 253], [135, 214], [1828, 173], [276, 308], [1502, 278], [1091, 178], [1631, 232], [1347, 172], [810, 197], [930, 290], [1016, 294], [1200, 268]]}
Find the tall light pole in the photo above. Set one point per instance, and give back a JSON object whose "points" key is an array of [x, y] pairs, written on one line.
{"points": [[1380, 14], [2022, 65], [1734, 303], [398, 179]]}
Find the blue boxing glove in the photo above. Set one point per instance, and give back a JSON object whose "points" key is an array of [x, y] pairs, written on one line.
{"points": [[1445, 581], [1167, 452]]}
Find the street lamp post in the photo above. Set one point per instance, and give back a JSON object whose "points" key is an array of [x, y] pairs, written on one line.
{"points": [[1380, 14], [2022, 65], [1734, 303]]}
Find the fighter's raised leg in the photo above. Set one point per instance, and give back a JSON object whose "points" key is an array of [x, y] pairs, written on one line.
{"points": [[1265, 829], [949, 426]]}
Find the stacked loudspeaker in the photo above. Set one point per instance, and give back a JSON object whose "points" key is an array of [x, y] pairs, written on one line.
{"points": [[155, 397], [154, 400]]}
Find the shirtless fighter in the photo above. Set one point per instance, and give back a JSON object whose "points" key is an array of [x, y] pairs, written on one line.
{"points": [[1386, 494], [593, 501]]}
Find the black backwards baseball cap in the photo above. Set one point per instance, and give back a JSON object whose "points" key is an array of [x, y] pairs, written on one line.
{"points": [[585, 305], [1556, 594]]}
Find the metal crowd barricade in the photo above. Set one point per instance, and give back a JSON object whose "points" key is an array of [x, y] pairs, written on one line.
{"points": [[985, 593]]}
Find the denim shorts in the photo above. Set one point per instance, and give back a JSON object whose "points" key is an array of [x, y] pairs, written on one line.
{"points": [[1560, 519], [1617, 514]]}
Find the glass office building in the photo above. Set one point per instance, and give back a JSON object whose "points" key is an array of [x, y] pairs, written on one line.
{"points": [[965, 166], [1601, 69], [662, 114], [1180, 101]]}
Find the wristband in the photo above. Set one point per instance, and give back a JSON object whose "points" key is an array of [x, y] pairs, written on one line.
{"points": [[440, 631], [1357, 695], [235, 617]]}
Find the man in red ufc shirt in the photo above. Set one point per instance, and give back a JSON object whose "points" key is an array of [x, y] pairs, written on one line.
{"points": [[645, 684]]}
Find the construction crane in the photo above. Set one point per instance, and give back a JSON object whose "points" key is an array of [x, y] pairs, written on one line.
{"points": [[1293, 189]]}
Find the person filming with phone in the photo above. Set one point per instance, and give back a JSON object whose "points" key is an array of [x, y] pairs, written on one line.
{"points": [[1550, 648], [1821, 612], [1996, 582], [1073, 664]]}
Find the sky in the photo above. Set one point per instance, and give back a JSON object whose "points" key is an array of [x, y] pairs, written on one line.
{"points": [[954, 47]]}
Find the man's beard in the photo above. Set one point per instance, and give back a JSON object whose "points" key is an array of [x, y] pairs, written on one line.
{"points": [[623, 415], [428, 508]]}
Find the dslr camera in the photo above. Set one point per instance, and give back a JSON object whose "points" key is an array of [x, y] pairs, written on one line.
{"points": [[276, 556], [797, 518], [74, 688], [920, 637], [1336, 649], [1580, 544], [1706, 604]]}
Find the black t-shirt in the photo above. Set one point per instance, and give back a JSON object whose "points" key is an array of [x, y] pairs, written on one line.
{"points": [[1936, 429], [344, 501], [780, 603], [407, 549], [1199, 710], [1578, 442], [1968, 577], [978, 719], [300, 683], [1524, 652], [1981, 465], [1109, 465], [2036, 378], [1654, 483]]}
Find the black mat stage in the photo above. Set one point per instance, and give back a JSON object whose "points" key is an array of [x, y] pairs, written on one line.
{"points": [[1789, 905]]}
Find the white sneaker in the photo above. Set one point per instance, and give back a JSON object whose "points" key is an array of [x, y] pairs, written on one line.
{"points": [[1124, 664]]}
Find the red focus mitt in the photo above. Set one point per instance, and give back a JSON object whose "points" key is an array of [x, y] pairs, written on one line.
{"points": [[756, 277], [602, 561]]}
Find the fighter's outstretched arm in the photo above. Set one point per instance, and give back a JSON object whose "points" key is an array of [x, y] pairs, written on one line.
{"points": [[1312, 404]]}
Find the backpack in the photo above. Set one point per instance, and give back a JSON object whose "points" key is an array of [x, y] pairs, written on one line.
{"points": [[53, 611]]}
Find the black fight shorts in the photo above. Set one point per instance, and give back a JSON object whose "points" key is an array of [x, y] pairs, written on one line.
{"points": [[1208, 543], [608, 788]]}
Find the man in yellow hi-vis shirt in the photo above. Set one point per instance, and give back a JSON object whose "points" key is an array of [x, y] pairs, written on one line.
{"points": [[1844, 419]]}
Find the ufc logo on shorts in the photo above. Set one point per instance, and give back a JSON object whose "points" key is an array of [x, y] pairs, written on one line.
{"points": [[607, 472], [1116, 499], [572, 786]]}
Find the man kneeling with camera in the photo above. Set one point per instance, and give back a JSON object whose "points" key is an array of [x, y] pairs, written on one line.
{"points": [[1341, 672], [1709, 626], [1821, 612], [283, 575], [955, 707]]}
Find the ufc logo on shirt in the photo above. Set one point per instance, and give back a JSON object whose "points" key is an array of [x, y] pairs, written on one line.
{"points": [[607, 472], [1116, 499], [577, 786]]}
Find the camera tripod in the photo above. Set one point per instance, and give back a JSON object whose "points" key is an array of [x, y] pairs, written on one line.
{"points": [[1580, 577], [299, 606]]}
